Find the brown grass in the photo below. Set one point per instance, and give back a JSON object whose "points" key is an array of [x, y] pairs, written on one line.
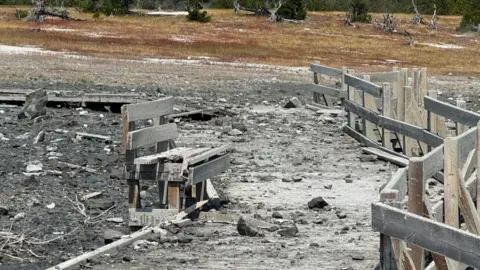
{"points": [[252, 39]]}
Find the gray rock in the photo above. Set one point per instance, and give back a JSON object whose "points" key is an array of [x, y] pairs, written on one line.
{"points": [[317, 202], [3, 210], [348, 180], [218, 122], [235, 132], [358, 257], [293, 103], [239, 126], [289, 231], [266, 178], [35, 105], [111, 235], [328, 186], [368, 158], [297, 178], [183, 223], [286, 180], [314, 245], [341, 215], [246, 228], [276, 214]]}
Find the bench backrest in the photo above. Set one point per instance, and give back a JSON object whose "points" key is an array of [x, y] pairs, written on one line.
{"points": [[162, 131]]}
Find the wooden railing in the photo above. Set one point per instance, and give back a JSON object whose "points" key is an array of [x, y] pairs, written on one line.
{"points": [[406, 125]]}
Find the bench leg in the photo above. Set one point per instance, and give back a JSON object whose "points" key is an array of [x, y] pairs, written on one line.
{"points": [[173, 195], [133, 193]]}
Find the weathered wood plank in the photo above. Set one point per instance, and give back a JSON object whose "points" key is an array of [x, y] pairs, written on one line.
{"points": [[359, 137], [431, 235], [396, 126], [333, 72], [439, 260], [208, 154], [416, 192], [387, 113], [466, 142], [151, 135], [150, 217], [432, 162], [380, 77], [451, 112], [467, 207], [209, 169], [363, 85], [212, 195], [451, 160], [149, 110], [396, 188], [386, 156], [321, 89]]}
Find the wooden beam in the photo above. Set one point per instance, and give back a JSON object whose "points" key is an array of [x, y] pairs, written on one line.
{"points": [[369, 103], [396, 126], [466, 142], [325, 90], [208, 154], [462, 105], [151, 135], [432, 162], [410, 108], [440, 261], [416, 192], [402, 82], [467, 207], [455, 243], [380, 77], [386, 156], [209, 169], [333, 72], [214, 199], [396, 188], [363, 85], [451, 112], [364, 140], [149, 110], [451, 185], [478, 167]]}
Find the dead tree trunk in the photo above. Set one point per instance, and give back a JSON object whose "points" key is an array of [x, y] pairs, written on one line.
{"points": [[273, 12], [39, 12], [258, 11], [388, 24], [434, 21], [410, 41]]}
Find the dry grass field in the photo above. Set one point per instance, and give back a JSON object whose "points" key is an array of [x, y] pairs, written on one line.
{"points": [[252, 39]]}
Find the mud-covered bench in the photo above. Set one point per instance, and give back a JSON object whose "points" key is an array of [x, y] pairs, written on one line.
{"points": [[181, 173]]}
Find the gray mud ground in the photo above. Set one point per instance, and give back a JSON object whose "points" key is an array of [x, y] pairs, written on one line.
{"points": [[279, 144]]}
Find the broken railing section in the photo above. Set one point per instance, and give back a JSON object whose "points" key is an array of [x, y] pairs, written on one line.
{"points": [[405, 124], [434, 228]]}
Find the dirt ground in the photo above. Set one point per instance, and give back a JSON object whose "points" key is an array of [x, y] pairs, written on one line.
{"points": [[279, 145]]}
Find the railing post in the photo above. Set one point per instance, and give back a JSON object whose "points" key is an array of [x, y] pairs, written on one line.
{"points": [[451, 186], [387, 112], [416, 191], [460, 127]]}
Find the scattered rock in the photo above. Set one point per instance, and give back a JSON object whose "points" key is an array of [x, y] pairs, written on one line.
{"points": [[266, 178], [35, 105], [127, 258], [34, 166], [235, 132], [19, 216], [321, 221], [293, 103], [314, 245], [328, 186], [286, 180], [218, 122], [3, 210], [368, 158], [239, 126], [297, 178], [183, 223], [102, 204], [111, 235], [115, 219], [348, 180], [288, 232], [341, 215], [276, 214], [358, 257], [317, 202], [50, 206], [246, 228]]}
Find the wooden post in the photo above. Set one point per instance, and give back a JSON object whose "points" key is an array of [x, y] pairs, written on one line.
{"points": [[432, 118], [344, 86], [395, 85], [402, 82], [387, 112], [422, 91], [460, 127], [416, 191], [317, 78], [133, 185], [478, 166], [369, 103], [410, 106], [350, 97], [451, 186]]}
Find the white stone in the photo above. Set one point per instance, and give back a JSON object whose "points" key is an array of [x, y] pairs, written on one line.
{"points": [[115, 219], [50, 206]]}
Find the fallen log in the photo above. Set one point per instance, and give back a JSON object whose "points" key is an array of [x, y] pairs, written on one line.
{"points": [[73, 166]]}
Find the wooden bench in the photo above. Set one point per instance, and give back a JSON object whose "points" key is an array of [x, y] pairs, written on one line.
{"points": [[181, 173]]}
